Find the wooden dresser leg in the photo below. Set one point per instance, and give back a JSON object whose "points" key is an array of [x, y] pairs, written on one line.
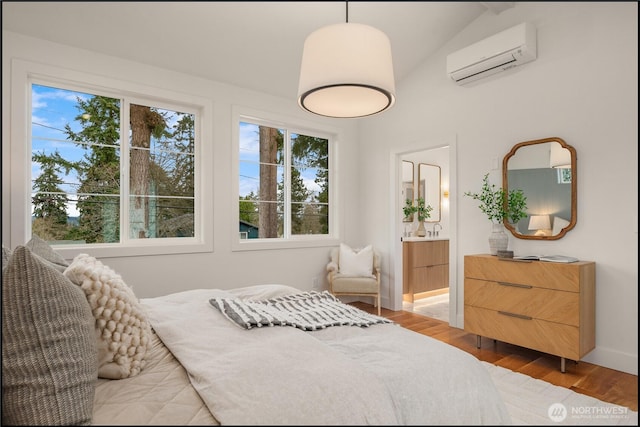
{"points": [[563, 364], [478, 340]]}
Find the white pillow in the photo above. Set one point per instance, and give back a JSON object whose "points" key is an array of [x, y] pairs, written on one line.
{"points": [[122, 327], [558, 225], [355, 263]]}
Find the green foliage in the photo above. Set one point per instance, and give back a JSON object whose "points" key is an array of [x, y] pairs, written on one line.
{"points": [[517, 203], [424, 212], [310, 152], [166, 170], [49, 200], [498, 205], [408, 208], [249, 209], [99, 171]]}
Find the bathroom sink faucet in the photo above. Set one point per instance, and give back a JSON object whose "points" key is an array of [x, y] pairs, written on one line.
{"points": [[436, 232]]}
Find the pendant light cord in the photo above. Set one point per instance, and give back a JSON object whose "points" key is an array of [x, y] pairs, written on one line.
{"points": [[347, 10]]}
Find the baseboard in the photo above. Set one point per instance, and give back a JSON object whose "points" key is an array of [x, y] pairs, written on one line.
{"points": [[613, 359]]}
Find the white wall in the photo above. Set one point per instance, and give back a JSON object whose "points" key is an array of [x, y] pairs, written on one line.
{"points": [[583, 88], [158, 275]]}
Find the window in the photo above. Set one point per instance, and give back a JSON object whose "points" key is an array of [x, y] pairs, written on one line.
{"points": [[79, 160], [283, 182], [111, 168], [564, 175]]}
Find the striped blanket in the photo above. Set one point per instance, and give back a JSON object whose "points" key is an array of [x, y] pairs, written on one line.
{"points": [[308, 311]]}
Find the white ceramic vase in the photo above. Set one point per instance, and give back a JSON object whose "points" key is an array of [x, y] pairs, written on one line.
{"points": [[421, 231], [498, 240]]}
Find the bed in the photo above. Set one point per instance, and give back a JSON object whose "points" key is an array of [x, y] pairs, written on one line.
{"points": [[189, 361]]}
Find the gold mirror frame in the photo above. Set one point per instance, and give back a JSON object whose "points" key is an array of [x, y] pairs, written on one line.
{"points": [[408, 185], [574, 186], [429, 182]]}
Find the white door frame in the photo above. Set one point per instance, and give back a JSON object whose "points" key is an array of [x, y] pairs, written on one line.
{"points": [[396, 228]]}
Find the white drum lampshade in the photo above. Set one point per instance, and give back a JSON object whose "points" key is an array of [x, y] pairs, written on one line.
{"points": [[346, 72], [540, 223]]}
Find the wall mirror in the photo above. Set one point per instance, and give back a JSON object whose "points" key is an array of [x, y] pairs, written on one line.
{"points": [[429, 188], [545, 170], [407, 185]]}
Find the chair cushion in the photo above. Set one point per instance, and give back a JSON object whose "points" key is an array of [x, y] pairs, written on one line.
{"points": [[355, 262], [342, 283]]}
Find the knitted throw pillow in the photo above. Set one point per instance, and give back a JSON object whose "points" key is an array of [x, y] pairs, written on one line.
{"points": [[122, 327], [49, 355]]}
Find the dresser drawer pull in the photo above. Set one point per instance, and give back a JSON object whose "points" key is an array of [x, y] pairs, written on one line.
{"points": [[515, 285], [519, 316]]}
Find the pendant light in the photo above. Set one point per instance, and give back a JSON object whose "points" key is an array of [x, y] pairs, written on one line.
{"points": [[346, 71]]}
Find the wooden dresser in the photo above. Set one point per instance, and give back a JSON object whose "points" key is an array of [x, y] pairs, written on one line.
{"points": [[545, 306], [425, 268]]}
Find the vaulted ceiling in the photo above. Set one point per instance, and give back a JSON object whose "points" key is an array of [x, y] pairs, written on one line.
{"points": [[257, 45]]}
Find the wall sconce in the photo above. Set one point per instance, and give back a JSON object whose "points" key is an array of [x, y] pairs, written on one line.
{"points": [[445, 194], [540, 223], [346, 71]]}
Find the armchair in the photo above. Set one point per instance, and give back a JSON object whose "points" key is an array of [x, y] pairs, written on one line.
{"points": [[343, 281]]}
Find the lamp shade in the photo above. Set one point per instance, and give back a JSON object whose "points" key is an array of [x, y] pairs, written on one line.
{"points": [[539, 222], [559, 157], [346, 71]]}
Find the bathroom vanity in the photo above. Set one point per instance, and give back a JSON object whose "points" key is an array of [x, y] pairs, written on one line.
{"points": [[425, 267]]}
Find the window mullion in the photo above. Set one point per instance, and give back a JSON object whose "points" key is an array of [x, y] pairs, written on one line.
{"points": [[125, 199], [287, 183]]}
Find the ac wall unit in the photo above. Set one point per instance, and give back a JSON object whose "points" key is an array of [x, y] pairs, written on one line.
{"points": [[500, 52]]}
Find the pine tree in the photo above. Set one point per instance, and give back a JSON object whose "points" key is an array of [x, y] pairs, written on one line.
{"points": [[49, 200]]}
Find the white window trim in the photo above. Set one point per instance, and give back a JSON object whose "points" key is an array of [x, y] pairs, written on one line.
{"points": [[22, 72], [241, 113]]}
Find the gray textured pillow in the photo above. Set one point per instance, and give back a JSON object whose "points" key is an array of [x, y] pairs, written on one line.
{"points": [[41, 248], [6, 254], [49, 351]]}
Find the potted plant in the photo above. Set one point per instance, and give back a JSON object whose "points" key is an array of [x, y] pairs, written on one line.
{"points": [[423, 211], [499, 207], [408, 210]]}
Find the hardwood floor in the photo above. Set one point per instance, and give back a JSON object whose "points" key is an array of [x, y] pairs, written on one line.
{"points": [[601, 383]]}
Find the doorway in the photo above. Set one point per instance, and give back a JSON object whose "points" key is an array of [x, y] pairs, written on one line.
{"points": [[443, 155]]}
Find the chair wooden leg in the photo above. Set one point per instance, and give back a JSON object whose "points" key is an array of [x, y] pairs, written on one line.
{"points": [[378, 304]]}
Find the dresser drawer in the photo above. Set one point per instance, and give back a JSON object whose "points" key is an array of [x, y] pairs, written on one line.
{"points": [[550, 275], [549, 337], [538, 303]]}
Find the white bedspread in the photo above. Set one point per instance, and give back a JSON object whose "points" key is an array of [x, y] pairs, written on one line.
{"points": [[343, 375]]}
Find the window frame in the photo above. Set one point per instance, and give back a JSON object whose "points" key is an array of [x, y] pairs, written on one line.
{"points": [[25, 73], [291, 125]]}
